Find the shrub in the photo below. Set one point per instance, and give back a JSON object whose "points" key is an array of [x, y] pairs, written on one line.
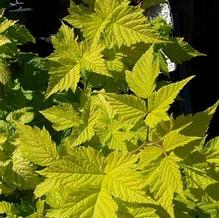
{"points": [[99, 140]]}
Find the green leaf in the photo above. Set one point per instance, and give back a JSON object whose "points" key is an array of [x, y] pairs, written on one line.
{"points": [[63, 77], [86, 130], [20, 173], [197, 178], [142, 80], [6, 24], [23, 115], [122, 180], [6, 207], [36, 145], [105, 108], [130, 108], [111, 131], [90, 203], [97, 178], [159, 103], [164, 181], [40, 206], [20, 34], [3, 138], [179, 51], [62, 116], [142, 212], [115, 135], [211, 209], [136, 211], [75, 172], [129, 26], [4, 72], [197, 125], [148, 155], [211, 110], [174, 140], [4, 40], [5, 190], [104, 8], [212, 151], [69, 58], [93, 60], [115, 20]]}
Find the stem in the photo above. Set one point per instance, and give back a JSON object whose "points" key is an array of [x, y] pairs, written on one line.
{"points": [[144, 144], [138, 148], [161, 147], [147, 135]]}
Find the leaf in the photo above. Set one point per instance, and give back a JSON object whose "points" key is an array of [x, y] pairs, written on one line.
{"points": [[122, 181], [40, 206], [130, 108], [36, 145], [106, 110], [173, 140], [4, 40], [86, 130], [5, 190], [97, 179], [63, 77], [212, 151], [126, 187], [142, 80], [3, 138], [23, 115], [114, 135], [211, 209], [93, 203], [197, 178], [84, 169], [179, 51], [136, 211], [4, 72], [111, 131], [120, 160], [129, 26], [20, 173], [164, 181], [159, 103], [6, 207], [197, 125], [142, 212], [115, 20], [148, 155], [6, 24], [104, 8], [211, 110], [93, 60], [20, 34], [62, 116], [69, 58]]}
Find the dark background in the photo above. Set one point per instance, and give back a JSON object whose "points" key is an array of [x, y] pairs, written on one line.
{"points": [[196, 20]]}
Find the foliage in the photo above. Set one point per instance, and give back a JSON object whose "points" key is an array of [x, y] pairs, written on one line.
{"points": [[87, 131]]}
